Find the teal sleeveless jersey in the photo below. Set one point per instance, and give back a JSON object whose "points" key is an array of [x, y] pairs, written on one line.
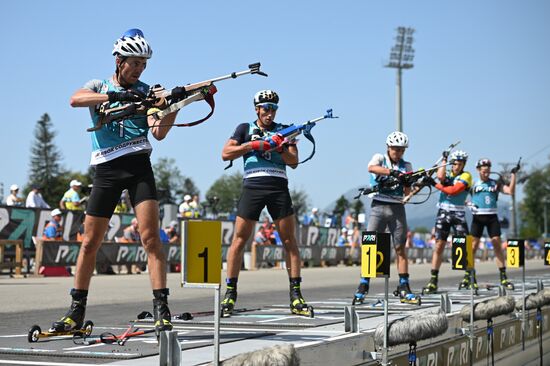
{"points": [[456, 202], [484, 197], [117, 138], [267, 164], [395, 193]]}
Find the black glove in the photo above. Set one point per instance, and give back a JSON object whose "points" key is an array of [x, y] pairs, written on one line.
{"points": [[515, 169], [445, 154], [179, 93], [427, 181], [124, 96], [395, 173]]}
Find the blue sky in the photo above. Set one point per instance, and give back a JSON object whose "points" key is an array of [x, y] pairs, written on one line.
{"points": [[480, 76]]}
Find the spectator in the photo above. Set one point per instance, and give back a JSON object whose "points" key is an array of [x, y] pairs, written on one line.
{"points": [[172, 232], [13, 199], [54, 230], [313, 218], [343, 239], [196, 207], [35, 199], [131, 233], [265, 234], [185, 209], [71, 199], [123, 203], [163, 236]]}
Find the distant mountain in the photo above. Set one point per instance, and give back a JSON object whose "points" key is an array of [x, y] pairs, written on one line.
{"points": [[418, 215]]}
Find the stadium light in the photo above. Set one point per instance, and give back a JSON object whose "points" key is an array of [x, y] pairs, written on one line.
{"points": [[401, 57]]}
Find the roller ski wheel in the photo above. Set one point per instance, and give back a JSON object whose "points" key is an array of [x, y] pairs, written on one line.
{"points": [[359, 296], [35, 333]]}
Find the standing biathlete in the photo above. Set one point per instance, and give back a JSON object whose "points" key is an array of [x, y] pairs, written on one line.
{"points": [[454, 186], [266, 154], [484, 210], [388, 211], [121, 157]]}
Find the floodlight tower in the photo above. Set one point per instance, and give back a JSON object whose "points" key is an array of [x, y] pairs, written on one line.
{"points": [[401, 57]]}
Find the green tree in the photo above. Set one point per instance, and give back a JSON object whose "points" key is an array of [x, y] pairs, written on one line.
{"points": [[45, 168], [537, 195], [227, 189], [358, 207], [171, 184], [300, 201], [342, 204]]}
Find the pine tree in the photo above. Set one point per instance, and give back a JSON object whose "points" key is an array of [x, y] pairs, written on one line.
{"points": [[45, 164]]}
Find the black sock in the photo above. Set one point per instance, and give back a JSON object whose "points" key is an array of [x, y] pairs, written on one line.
{"points": [[231, 282], [79, 294], [295, 281], [435, 273], [161, 294]]}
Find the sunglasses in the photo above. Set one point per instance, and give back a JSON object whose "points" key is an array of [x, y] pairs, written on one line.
{"points": [[268, 106]]}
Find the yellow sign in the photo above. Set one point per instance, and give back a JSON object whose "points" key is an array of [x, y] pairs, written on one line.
{"points": [[515, 253], [547, 254], [512, 257], [462, 256], [368, 260], [202, 252]]}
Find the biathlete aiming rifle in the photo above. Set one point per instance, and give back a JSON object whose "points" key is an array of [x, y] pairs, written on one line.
{"points": [[160, 102], [417, 187], [291, 132], [412, 178]]}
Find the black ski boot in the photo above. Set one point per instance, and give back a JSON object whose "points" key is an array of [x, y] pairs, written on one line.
{"points": [[161, 312], [431, 286], [74, 318], [466, 283], [504, 280], [362, 291], [298, 305], [229, 300], [405, 294]]}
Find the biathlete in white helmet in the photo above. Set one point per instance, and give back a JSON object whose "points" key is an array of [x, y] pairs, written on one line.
{"points": [[120, 155], [388, 211]]}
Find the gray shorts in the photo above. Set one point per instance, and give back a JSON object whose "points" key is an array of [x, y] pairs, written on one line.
{"points": [[391, 216]]}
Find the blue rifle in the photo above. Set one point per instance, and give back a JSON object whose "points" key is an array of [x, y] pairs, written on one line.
{"points": [[291, 132]]}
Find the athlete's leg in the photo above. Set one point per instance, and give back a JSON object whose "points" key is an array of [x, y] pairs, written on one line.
{"points": [[94, 232], [286, 227], [243, 230], [147, 214]]}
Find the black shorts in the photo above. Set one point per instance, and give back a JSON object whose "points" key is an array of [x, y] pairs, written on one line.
{"points": [[131, 172], [450, 219], [479, 222], [253, 201]]}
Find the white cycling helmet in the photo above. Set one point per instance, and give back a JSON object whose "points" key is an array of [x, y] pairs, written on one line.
{"points": [[132, 44], [458, 155], [266, 96], [397, 139]]}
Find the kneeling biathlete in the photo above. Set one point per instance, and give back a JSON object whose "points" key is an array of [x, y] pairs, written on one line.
{"points": [[266, 153], [388, 210]]}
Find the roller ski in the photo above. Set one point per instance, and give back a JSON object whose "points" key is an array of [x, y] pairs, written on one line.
{"points": [[406, 296], [228, 303], [431, 287], [466, 284], [72, 322], [161, 313], [298, 305], [361, 293]]}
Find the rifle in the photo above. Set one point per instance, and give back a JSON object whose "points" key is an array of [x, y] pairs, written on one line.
{"points": [[160, 102], [407, 177], [446, 152], [291, 132]]}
